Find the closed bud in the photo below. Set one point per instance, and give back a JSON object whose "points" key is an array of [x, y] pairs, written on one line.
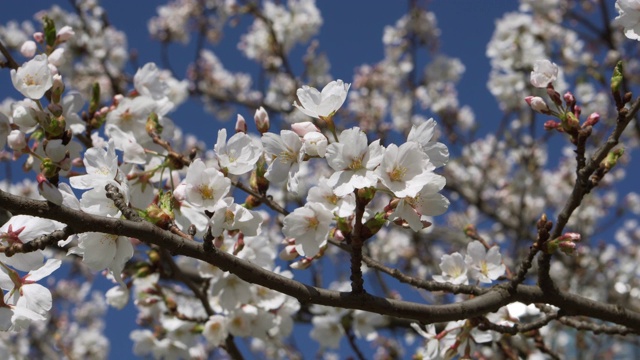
{"points": [[592, 120], [28, 49], [569, 99], [241, 124], [538, 104], [262, 120], [551, 125]]}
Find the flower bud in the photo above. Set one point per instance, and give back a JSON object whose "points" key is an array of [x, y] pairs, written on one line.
{"points": [[569, 99], [57, 89], [17, 140], [28, 49], [538, 104], [38, 37], [262, 120], [241, 124], [592, 120], [65, 33], [303, 128]]}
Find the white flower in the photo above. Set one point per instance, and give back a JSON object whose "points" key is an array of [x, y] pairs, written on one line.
{"points": [[432, 349], [544, 72], [133, 153], [327, 330], [454, 269], [485, 266], [232, 291], [323, 194], [33, 78], [404, 170], [117, 296], [315, 144], [325, 104], [354, 162], [423, 135], [101, 166], [231, 216], [131, 116], [205, 187], [15, 317], [22, 229], [309, 225], [239, 154], [216, 330], [105, 251], [24, 292], [428, 202], [629, 17], [365, 324], [284, 152]]}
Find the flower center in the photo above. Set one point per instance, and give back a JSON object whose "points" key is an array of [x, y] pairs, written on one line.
{"points": [[398, 173], [206, 192]]}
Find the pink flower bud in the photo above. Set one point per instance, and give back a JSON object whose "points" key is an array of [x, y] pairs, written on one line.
{"points": [[38, 37], [537, 104], [262, 120], [550, 125], [28, 49], [569, 99], [241, 125], [592, 120], [302, 128], [570, 236], [567, 247]]}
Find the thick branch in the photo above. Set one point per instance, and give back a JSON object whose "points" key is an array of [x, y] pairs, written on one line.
{"points": [[573, 305]]}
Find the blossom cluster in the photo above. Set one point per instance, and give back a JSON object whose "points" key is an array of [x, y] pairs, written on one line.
{"points": [[336, 174]]}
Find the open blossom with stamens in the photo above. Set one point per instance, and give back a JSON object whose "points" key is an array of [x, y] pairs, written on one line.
{"points": [[24, 292], [231, 216], [454, 269], [485, 266], [21, 229], [404, 170], [33, 78], [101, 166], [309, 225], [354, 161], [322, 104], [104, 251], [205, 187], [285, 155], [239, 154], [428, 202]]}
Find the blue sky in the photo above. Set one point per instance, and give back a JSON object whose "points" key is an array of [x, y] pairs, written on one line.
{"points": [[351, 35]]}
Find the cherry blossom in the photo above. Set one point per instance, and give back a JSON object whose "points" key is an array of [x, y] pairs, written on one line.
{"points": [[205, 186], [544, 72], [454, 269], [34, 78], [285, 156], [239, 155], [323, 104], [629, 17], [485, 266], [309, 225], [354, 162]]}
